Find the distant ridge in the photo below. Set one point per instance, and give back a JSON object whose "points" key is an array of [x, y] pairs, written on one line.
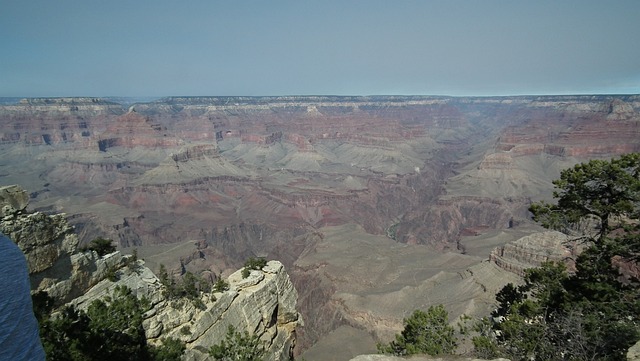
{"points": [[256, 100]]}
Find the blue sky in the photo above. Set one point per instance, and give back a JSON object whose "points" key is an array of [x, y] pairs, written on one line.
{"points": [[159, 48]]}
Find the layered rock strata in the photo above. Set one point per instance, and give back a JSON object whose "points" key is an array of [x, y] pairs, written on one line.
{"points": [[263, 303], [535, 249], [264, 175]]}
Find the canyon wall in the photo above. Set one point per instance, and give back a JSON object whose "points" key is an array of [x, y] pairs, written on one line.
{"points": [[267, 176], [264, 303]]}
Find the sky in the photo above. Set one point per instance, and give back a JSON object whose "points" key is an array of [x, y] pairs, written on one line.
{"points": [[196, 48]]}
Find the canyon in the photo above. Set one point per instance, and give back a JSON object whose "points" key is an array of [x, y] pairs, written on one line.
{"points": [[375, 205], [262, 302]]}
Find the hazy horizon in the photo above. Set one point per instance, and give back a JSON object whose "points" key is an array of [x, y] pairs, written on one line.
{"points": [[287, 48]]}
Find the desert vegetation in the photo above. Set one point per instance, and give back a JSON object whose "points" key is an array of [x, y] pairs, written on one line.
{"points": [[109, 329], [189, 287], [101, 246], [253, 264], [588, 312], [238, 346], [424, 332], [591, 312], [582, 309]]}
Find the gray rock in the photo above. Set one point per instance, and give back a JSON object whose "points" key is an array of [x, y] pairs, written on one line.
{"points": [[263, 304], [15, 197], [634, 352]]}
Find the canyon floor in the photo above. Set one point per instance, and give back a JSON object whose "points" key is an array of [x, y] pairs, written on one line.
{"points": [[375, 205]]}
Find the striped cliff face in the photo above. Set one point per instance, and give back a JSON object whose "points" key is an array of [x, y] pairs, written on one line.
{"points": [[277, 176]]}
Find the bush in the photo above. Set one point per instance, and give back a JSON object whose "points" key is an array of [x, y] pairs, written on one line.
{"points": [[102, 246], [424, 332], [221, 285], [189, 288], [170, 350], [253, 264], [238, 347], [112, 273], [132, 261], [110, 329], [592, 313]]}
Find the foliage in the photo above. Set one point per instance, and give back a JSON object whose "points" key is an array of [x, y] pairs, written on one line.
{"points": [[392, 231], [43, 304], [189, 288], [238, 347], [592, 313], [484, 342], [604, 190], [102, 246], [110, 329], [132, 261], [253, 264], [112, 273], [171, 349], [221, 285], [424, 332]]}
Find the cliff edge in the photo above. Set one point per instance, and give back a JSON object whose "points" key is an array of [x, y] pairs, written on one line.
{"points": [[262, 303]]}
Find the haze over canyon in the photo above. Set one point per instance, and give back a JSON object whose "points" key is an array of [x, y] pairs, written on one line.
{"points": [[375, 205]]}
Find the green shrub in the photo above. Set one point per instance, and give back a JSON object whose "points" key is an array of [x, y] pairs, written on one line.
{"points": [[102, 246], [112, 274], [132, 261], [253, 264], [110, 329], [171, 349], [221, 285], [424, 333], [591, 313], [238, 347], [188, 288]]}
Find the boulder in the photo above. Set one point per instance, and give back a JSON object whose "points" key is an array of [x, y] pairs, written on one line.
{"points": [[15, 197], [634, 352]]}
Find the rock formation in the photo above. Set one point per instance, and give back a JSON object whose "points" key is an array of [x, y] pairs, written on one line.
{"points": [[272, 176], [532, 250], [263, 303], [48, 242], [634, 352]]}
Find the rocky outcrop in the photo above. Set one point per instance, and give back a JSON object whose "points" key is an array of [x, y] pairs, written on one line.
{"points": [[634, 352], [263, 304], [256, 175], [532, 250], [50, 247], [14, 197], [449, 219], [132, 130], [45, 240], [620, 110]]}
